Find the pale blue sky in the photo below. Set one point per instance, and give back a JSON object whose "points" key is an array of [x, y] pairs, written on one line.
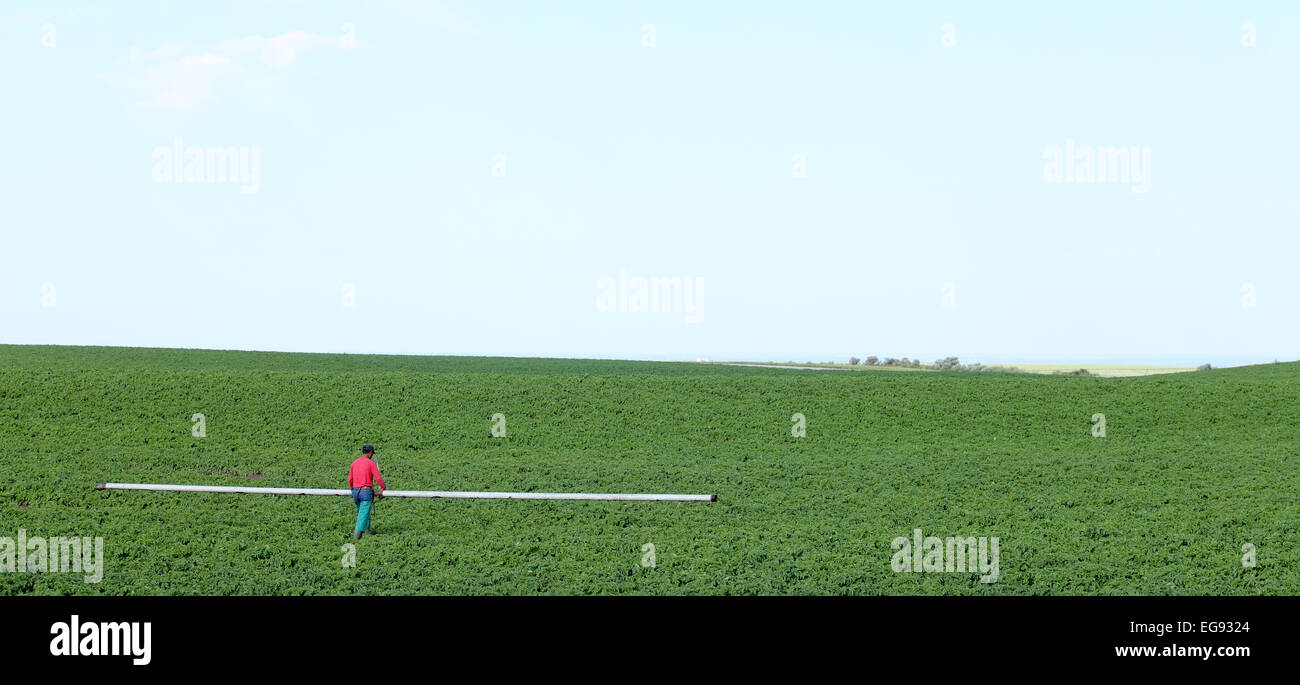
{"points": [[924, 167]]}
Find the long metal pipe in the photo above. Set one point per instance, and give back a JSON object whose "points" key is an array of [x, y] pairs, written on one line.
{"points": [[245, 490]]}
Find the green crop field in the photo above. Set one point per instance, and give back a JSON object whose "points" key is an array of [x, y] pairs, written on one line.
{"points": [[1192, 467]]}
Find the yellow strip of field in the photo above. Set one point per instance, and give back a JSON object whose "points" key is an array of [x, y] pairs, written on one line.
{"points": [[1103, 370], [1107, 370]]}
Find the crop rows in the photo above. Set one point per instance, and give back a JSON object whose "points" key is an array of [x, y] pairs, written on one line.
{"points": [[1192, 467]]}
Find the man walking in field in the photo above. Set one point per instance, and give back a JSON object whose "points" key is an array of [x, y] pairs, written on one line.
{"points": [[361, 479]]}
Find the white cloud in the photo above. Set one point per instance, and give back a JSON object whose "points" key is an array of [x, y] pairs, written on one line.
{"points": [[280, 51], [182, 76], [183, 83]]}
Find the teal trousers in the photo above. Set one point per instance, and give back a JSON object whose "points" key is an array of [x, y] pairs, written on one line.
{"points": [[364, 498]]}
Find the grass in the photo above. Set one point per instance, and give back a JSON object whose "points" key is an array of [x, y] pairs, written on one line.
{"points": [[1193, 466]]}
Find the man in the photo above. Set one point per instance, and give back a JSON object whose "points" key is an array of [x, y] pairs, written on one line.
{"points": [[361, 478]]}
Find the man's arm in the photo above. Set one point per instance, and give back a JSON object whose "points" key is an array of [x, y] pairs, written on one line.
{"points": [[382, 486]]}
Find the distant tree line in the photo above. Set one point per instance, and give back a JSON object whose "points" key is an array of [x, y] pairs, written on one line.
{"points": [[953, 364], [945, 364]]}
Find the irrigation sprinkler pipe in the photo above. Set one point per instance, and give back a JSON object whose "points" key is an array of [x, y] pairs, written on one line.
{"points": [[429, 494]]}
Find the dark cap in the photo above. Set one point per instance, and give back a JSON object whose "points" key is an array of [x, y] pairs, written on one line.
{"points": [[367, 449]]}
